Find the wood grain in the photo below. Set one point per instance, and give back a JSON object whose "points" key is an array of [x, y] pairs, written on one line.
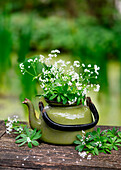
{"points": [[47, 156]]}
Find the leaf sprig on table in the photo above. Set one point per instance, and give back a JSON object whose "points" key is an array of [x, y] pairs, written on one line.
{"points": [[25, 134], [96, 142]]}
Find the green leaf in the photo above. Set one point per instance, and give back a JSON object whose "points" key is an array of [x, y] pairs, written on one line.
{"points": [[116, 148], [98, 131], [107, 150], [79, 137], [16, 132], [81, 148], [77, 147], [18, 136], [118, 144], [35, 143], [20, 140], [89, 147], [118, 141], [65, 87], [96, 151], [27, 131], [65, 95], [58, 99], [77, 142], [114, 139], [94, 133], [62, 97], [52, 97], [119, 134], [37, 135], [65, 101], [93, 152], [29, 145], [78, 101], [33, 133], [82, 101], [22, 143]]}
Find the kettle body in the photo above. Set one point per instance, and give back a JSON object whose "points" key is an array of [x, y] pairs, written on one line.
{"points": [[60, 124], [71, 115]]}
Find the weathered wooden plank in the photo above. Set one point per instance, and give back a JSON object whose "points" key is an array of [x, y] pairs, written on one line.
{"points": [[49, 157]]}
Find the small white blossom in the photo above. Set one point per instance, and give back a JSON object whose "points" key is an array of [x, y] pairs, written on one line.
{"points": [[35, 59], [83, 131], [21, 66], [97, 88], [55, 51], [41, 58], [89, 65], [89, 157], [28, 139], [68, 62], [59, 84], [82, 154], [79, 88], [86, 70], [83, 65], [30, 60], [69, 83]]}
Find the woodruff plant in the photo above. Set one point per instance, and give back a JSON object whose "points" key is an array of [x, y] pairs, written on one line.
{"points": [[25, 134], [96, 142], [60, 82]]}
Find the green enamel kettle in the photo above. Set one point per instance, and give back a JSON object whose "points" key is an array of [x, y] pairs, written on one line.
{"points": [[61, 123]]}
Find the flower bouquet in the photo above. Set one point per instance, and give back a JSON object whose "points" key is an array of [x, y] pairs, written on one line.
{"points": [[62, 81]]}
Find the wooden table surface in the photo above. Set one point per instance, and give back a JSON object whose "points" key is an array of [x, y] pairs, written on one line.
{"points": [[47, 156]]}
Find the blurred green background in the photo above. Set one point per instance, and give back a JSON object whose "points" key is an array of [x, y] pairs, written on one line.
{"points": [[89, 31]]}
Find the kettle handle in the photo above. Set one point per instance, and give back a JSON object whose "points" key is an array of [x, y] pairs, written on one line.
{"points": [[62, 127]]}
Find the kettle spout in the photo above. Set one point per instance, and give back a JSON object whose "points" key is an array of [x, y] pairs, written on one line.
{"points": [[33, 121]]}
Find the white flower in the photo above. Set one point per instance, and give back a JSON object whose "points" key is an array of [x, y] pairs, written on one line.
{"points": [[61, 61], [83, 65], [89, 157], [35, 59], [21, 66], [28, 66], [83, 131], [55, 55], [82, 154], [86, 70], [76, 64], [97, 88], [96, 69], [55, 51], [68, 62], [69, 83], [84, 92], [59, 84], [41, 58], [43, 70], [42, 86], [89, 65], [72, 68], [30, 60], [28, 139], [79, 88]]}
